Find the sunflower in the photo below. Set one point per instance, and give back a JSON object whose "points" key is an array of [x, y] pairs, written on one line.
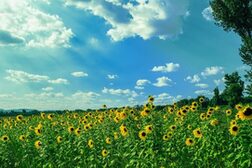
{"points": [[170, 110], [228, 112], [233, 122], [50, 116], [108, 140], [148, 129], [214, 122], [173, 127], [5, 138], [43, 115], [123, 115], [38, 144], [194, 104], [70, 129], [104, 106], [19, 118], [201, 100], [197, 133], [116, 135], [142, 135], [246, 113], [189, 142], [124, 131], [90, 143], [193, 109], [22, 138], [238, 107], [169, 134], [183, 111], [165, 137], [209, 113], [210, 109], [202, 116], [145, 112], [77, 131], [150, 99], [59, 139], [104, 153], [189, 127], [234, 129], [38, 131]]}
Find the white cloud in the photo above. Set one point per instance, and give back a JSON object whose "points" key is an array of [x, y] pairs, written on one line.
{"points": [[162, 81], [146, 19], [165, 98], [204, 92], [213, 70], [202, 85], [219, 81], [79, 74], [193, 79], [3, 96], [126, 92], [112, 76], [169, 67], [207, 13], [23, 77], [85, 95], [58, 81], [141, 83], [47, 89], [44, 95], [33, 27]]}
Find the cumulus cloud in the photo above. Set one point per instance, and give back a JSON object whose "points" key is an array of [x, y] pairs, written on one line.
{"points": [[204, 92], [141, 83], [112, 76], [44, 95], [126, 92], [169, 67], [58, 81], [162, 81], [24, 77], [146, 19], [213, 70], [165, 98], [22, 22], [202, 85], [47, 89], [193, 79], [207, 13], [79, 74]]}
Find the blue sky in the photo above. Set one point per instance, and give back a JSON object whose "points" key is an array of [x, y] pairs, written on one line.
{"points": [[71, 54]]}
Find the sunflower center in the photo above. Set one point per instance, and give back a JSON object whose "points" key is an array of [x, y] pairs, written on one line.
{"points": [[235, 128], [248, 112], [198, 132], [190, 141], [143, 134], [5, 138]]}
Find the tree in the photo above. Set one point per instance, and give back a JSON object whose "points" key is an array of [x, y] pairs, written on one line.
{"points": [[234, 86], [236, 15], [216, 98]]}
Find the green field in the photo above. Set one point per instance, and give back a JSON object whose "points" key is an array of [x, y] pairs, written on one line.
{"points": [[187, 136]]}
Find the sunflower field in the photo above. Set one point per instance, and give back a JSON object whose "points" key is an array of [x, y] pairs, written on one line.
{"points": [[188, 136]]}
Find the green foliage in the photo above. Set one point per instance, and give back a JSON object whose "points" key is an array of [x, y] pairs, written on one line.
{"points": [[234, 87], [235, 15]]}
